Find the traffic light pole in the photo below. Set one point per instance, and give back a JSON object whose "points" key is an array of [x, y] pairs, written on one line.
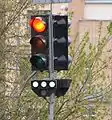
{"points": [[51, 66]]}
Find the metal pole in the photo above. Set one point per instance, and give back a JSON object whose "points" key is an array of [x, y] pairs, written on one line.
{"points": [[51, 66]]}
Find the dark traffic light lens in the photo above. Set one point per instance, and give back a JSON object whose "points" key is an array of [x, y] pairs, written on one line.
{"points": [[38, 44], [38, 61]]}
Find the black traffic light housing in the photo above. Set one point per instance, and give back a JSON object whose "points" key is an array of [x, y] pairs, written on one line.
{"points": [[42, 87], [62, 87], [59, 87], [39, 42], [60, 37]]}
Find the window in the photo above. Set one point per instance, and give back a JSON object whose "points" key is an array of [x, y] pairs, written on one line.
{"points": [[98, 9], [98, 1]]}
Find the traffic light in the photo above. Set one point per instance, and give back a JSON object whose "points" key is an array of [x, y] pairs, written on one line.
{"points": [[44, 88], [39, 42], [61, 41]]}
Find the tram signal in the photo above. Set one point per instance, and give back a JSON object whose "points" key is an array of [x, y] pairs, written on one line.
{"points": [[44, 88]]}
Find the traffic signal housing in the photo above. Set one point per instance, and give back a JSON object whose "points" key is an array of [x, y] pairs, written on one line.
{"points": [[39, 42], [44, 88], [61, 42]]}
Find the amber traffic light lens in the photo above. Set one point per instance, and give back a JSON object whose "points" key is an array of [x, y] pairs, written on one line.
{"points": [[38, 24]]}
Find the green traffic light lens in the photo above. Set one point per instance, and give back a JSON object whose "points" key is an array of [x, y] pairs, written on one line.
{"points": [[38, 61]]}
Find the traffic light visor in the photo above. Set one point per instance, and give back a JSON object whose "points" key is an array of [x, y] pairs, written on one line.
{"points": [[38, 24]]}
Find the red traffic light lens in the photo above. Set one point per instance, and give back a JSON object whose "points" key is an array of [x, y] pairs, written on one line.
{"points": [[38, 24]]}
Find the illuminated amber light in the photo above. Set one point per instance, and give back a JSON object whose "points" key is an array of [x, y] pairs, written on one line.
{"points": [[38, 24]]}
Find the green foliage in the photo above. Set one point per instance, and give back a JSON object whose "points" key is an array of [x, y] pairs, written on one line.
{"points": [[87, 97], [109, 28]]}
